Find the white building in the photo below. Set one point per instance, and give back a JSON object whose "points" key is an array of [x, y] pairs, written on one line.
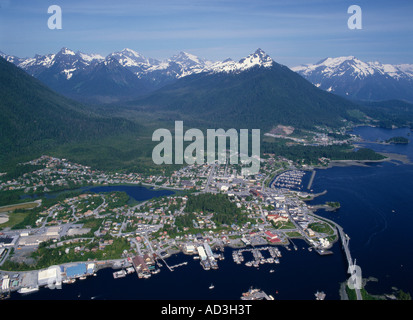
{"points": [[189, 248], [202, 253], [53, 231]]}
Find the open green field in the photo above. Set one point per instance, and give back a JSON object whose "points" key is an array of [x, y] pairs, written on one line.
{"points": [[283, 225], [12, 207], [14, 219], [321, 227]]}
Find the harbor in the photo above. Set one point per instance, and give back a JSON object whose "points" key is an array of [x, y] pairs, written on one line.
{"points": [[291, 179], [188, 274], [274, 255]]}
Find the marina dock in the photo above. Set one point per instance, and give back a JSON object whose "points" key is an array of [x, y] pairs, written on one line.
{"points": [[310, 183], [274, 252]]}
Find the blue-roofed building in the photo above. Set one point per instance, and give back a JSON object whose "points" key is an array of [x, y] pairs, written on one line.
{"points": [[76, 270]]}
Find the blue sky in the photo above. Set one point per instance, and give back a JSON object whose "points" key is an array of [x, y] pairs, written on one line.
{"points": [[291, 32]]}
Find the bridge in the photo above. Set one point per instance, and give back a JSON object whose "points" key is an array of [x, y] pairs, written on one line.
{"points": [[345, 243]]}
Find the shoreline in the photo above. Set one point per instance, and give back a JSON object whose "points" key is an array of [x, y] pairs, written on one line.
{"points": [[390, 157]]}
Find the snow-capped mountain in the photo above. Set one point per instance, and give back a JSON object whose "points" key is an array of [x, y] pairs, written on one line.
{"points": [[62, 64], [353, 78], [134, 61], [67, 71], [68, 62], [258, 58]]}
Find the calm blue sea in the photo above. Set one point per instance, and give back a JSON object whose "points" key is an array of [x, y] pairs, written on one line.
{"points": [[376, 212]]}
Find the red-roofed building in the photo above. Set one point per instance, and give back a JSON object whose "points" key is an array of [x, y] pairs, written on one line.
{"points": [[271, 237]]}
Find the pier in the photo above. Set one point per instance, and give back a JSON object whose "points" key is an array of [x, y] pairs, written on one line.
{"points": [[178, 265], [310, 183], [274, 252], [289, 179], [170, 269]]}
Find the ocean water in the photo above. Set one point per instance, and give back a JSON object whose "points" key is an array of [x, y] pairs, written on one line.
{"points": [[376, 212]]}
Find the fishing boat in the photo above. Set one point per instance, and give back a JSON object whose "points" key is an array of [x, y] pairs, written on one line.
{"points": [[320, 295]]}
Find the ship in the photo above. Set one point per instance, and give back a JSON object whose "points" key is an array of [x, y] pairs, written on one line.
{"points": [[119, 274], [320, 295], [255, 294], [211, 286], [130, 270], [73, 280], [26, 290]]}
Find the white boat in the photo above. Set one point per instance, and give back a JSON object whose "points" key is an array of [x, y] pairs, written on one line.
{"points": [[130, 270], [69, 281], [211, 286], [119, 274], [26, 290], [320, 295]]}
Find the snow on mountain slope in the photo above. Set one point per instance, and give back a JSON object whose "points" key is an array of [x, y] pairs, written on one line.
{"points": [[90, 57], [346, 76], [335, 67], [258, 58], [357, 79], [68, 62]]}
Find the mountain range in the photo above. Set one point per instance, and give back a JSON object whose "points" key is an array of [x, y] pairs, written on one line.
{"points": [[254, 92], [127, 74], [352, 78]]}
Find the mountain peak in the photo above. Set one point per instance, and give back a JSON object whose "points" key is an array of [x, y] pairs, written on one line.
{"points": [[185, 57], [66, 51], [258, 58], [260, 52], [131, 52], [129, 58]]}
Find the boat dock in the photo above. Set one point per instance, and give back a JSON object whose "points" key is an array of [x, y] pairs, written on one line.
{"points": [[310, 183], [289, 179], [179, 265], [274, 252], [170, 269]]}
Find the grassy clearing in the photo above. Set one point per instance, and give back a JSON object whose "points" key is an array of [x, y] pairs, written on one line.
{"points": [[14, 219], [12, 207]]}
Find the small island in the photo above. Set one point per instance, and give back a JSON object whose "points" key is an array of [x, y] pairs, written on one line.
{"points": [[398, 140]]}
